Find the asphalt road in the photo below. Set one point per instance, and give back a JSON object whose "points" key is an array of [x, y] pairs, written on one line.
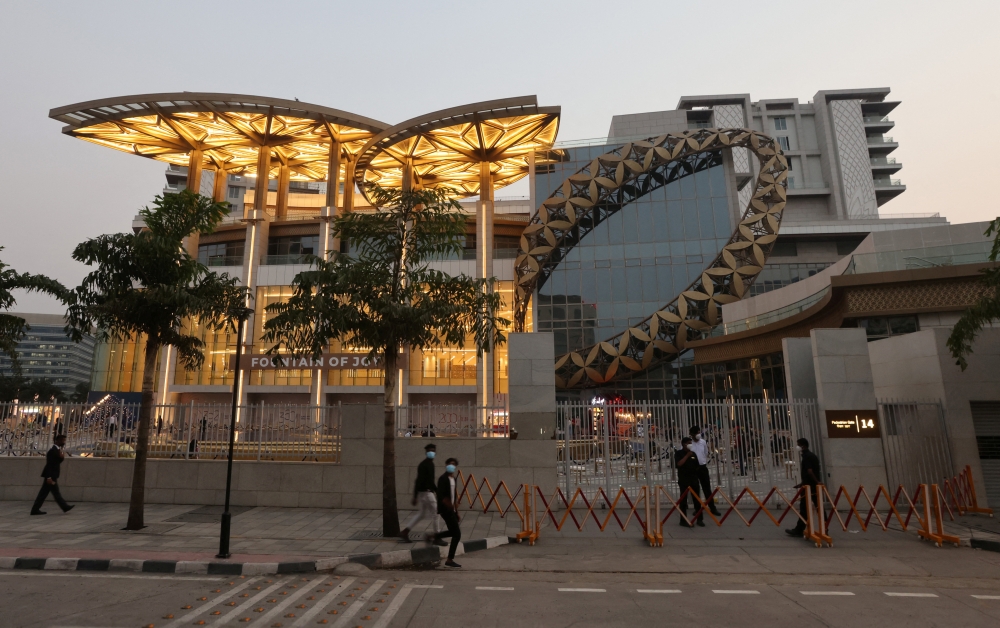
{"points": [[425, 599]]}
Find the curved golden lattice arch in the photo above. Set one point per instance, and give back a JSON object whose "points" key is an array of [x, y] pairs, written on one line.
{"points": [[609, 183]]}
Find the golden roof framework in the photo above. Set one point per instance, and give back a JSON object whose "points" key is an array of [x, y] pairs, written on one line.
{"points": [[228, 129], [446, 148]]}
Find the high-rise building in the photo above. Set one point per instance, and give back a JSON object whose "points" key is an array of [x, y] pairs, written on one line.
{"points": [[46, 352]]}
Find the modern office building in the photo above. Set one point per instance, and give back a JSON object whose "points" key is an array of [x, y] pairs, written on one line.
{"points": [[615, 268], [46, 352]]}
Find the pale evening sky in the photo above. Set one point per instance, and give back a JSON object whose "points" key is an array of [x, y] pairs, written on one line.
{"points": [[392, 60]]}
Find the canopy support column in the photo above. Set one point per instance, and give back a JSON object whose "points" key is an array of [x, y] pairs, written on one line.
{"points": [[254, 249], [484, 270], [281, 204]]}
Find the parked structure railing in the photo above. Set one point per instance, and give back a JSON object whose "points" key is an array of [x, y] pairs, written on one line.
{"points": [[192, 431], [469, 420], [632, 444]]}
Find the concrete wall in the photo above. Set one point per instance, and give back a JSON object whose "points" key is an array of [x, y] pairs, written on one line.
{"points": [[354, 483], [844, 382], [919, 366]]}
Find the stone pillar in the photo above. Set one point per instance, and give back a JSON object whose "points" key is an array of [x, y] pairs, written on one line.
{"points": [[484, 269], [281, 202], [844, 381], [219, 187], [532, 385], [193, 184]]}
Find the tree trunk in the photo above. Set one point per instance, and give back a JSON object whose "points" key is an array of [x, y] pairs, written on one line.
{"points": [[137, 501], [390, 514]]}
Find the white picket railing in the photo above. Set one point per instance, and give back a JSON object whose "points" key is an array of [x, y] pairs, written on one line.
{"points": [[750, 442], [191, 431]]}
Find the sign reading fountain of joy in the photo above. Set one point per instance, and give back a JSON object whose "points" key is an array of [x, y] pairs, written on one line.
{"points": [[605, 186]]}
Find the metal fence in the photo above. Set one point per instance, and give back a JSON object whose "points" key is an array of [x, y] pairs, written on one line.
{"points": [[191, 431], [633, 444], [915, 442], [468, 420]]}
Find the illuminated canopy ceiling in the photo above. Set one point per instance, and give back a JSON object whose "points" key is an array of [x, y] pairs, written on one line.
{"points": [[447, 147], [228, 128]]}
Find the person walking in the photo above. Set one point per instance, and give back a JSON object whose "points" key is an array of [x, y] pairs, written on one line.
{"points": [[700, 448], [687, 478], [424, 496], [448, 509], [53, 458], [810, 478]]}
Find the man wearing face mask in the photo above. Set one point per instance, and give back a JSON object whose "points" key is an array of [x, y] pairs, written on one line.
{"points": [[700, 448], [687, 478], [448, 509], [424, 496], [810, 478]]}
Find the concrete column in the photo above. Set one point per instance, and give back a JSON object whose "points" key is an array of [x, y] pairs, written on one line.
{"points": [[256, 245], [532, 386], [844, 381], [326, 244], [194, 171], [219, 187], [281, 204], [349, 183], [484, 269], [193, 184]]}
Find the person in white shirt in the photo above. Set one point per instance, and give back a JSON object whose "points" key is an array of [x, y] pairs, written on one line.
{"points": [[700, 448]]}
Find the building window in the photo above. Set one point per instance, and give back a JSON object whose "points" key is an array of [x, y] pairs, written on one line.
{"points": [[785, 249], [780, 124], [887, 326], [221, 254], [235, 191], [291, 249], [784, 143]]}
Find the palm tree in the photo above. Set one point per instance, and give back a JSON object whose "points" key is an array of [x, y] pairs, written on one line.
{"points": [[144, 286], [384, 296], [984, 311], [13, 328]]}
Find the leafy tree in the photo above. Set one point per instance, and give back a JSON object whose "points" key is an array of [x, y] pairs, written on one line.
{"points": [[80, 392], [983, 312], [41, 390], [10, 386], [385, 296], [13, 328], [143, 287]]}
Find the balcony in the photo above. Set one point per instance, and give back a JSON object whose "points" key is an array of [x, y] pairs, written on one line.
{"points": [[885, 164], [880, 139], [887, 183], [887, 189], [878, 123], [881, 144]]}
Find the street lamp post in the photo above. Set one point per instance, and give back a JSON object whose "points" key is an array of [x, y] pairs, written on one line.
{"points": [[226, 516]]}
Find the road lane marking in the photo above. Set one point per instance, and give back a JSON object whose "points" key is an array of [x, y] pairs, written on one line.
{"points": [[658, 590], [283, 604], [987, 597], [426, 586], [584, 590], [245, 605], [826, 593], [320, 605], [735, 592], [49, 574], [895, 594], [394, 606], [207, 605], [494, 588], [353, 609]]}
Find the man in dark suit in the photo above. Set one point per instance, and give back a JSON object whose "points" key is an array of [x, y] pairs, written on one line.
{"points": [[448, 509], [687, 478], [424, 495], [810, 479], [53, 459]]}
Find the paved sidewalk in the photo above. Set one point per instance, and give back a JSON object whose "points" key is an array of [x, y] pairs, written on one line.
{"points": [[93, 530]]}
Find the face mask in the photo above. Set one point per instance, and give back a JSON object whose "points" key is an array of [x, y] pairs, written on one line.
{"points": [[451, 468], [799, 447], [430, 454], [697, 437]]}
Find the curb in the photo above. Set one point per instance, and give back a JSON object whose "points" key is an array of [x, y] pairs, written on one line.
{"points": [[989, 546], [424, 556]]}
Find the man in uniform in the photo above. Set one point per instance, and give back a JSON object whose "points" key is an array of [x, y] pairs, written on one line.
{"points": [[700, 448], [424, 498], [53, 458], [810, 478], [687, 478]]}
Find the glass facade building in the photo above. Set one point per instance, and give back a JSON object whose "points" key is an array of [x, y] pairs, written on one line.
{"points": [[632, 264]]}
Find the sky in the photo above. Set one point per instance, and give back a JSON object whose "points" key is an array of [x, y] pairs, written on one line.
{"points": [[393, 60]]}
